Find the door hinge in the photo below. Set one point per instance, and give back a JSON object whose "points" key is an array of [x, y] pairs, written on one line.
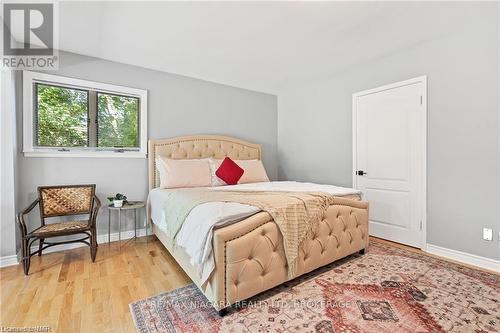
{"points": [[421, 100], [420, 225]]}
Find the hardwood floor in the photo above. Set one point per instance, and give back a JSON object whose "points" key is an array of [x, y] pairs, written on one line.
{"points": [[67, 293]]}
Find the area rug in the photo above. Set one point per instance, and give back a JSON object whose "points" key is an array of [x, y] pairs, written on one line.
{"points": [[386, 290]]}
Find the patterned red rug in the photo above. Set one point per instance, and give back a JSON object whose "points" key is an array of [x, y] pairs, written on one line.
{"points": [[386, 290]]}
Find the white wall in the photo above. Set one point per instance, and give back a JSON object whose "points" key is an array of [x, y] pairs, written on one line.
{"points": [[177, 106], [314, 128], [8, 159]]}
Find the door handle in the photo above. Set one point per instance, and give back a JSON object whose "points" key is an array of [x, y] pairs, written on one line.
{"points": [[361, 173]]}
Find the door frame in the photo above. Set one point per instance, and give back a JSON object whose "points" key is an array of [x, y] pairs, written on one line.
{"points": [[422, 188]]}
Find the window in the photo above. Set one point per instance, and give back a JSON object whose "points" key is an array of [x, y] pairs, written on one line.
{"points": [[61, 116], [78, 118]]}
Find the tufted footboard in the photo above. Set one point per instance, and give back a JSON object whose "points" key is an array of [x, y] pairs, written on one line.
{"points": [[250, 256]]}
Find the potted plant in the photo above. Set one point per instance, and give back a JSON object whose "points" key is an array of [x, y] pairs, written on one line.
{"points": [[118, 200]]}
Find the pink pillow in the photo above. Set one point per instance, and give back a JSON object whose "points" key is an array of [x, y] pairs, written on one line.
{"points": [[254, 171], [183, 173]]}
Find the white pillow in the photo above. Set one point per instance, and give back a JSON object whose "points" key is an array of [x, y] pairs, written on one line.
{"points": [[183, 173], [254, 171], [214, 165]]}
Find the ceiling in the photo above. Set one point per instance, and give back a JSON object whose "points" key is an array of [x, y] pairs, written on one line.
{"points": [[262, 46]]}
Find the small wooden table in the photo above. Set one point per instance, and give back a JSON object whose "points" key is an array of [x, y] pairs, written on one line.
{"points": [[131, 205]]}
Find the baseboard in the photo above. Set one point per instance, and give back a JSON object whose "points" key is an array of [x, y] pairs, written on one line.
{"points": [[466, 258], [101, 239], [8, 260]]}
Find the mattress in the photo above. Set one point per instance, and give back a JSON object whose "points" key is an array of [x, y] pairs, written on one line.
{"points": [[195, 236]]}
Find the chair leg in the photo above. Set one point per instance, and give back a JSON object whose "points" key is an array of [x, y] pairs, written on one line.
{"points": [[26, 256], [95, 238], [93, 245], [26, 265], [40, 245]]}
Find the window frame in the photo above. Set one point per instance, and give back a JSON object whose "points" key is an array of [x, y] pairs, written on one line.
{"points": [[29, 114]]}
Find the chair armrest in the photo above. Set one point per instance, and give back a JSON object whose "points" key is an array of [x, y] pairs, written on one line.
{"points": [[20, 217], [95, 210]]}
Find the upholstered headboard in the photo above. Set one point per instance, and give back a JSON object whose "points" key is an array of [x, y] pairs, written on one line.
{"points": [[198, 146]]}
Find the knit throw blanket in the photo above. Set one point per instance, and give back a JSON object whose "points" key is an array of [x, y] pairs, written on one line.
{"points": [[295, 213]]}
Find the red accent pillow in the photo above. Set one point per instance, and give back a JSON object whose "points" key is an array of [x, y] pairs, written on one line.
{"points": [[229, 172]]}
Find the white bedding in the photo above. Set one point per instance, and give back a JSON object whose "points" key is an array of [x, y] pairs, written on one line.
{"points": [[195, 236]]}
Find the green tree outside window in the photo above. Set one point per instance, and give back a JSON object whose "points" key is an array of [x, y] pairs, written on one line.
{"points": [[63, 118], [118, 121]]}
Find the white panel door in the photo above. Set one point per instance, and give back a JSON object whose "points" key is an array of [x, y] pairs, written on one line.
{"points": [[389, 126]]}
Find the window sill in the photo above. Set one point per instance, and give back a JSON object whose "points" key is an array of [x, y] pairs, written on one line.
{"points": [[86, 154]]}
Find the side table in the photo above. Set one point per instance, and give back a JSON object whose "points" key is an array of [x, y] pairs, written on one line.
{"points": [[131, 205]]}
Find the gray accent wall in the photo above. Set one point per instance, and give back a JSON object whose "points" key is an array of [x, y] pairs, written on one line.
{"points": [[315, 129], [177, 106]]}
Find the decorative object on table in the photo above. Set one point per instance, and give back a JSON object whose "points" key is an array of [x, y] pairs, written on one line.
{"points": [[128, 205], [118, 200], [386, 290], [57, 201]]}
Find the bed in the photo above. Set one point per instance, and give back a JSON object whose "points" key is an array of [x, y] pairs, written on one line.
{"points": [[249, 254]]}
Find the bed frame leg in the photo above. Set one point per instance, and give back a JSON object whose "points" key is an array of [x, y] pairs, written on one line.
{"points": [[362, 251], [222, 312]]}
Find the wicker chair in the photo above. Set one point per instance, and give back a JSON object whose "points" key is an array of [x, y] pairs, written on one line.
{"points": [[61, 201]]}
